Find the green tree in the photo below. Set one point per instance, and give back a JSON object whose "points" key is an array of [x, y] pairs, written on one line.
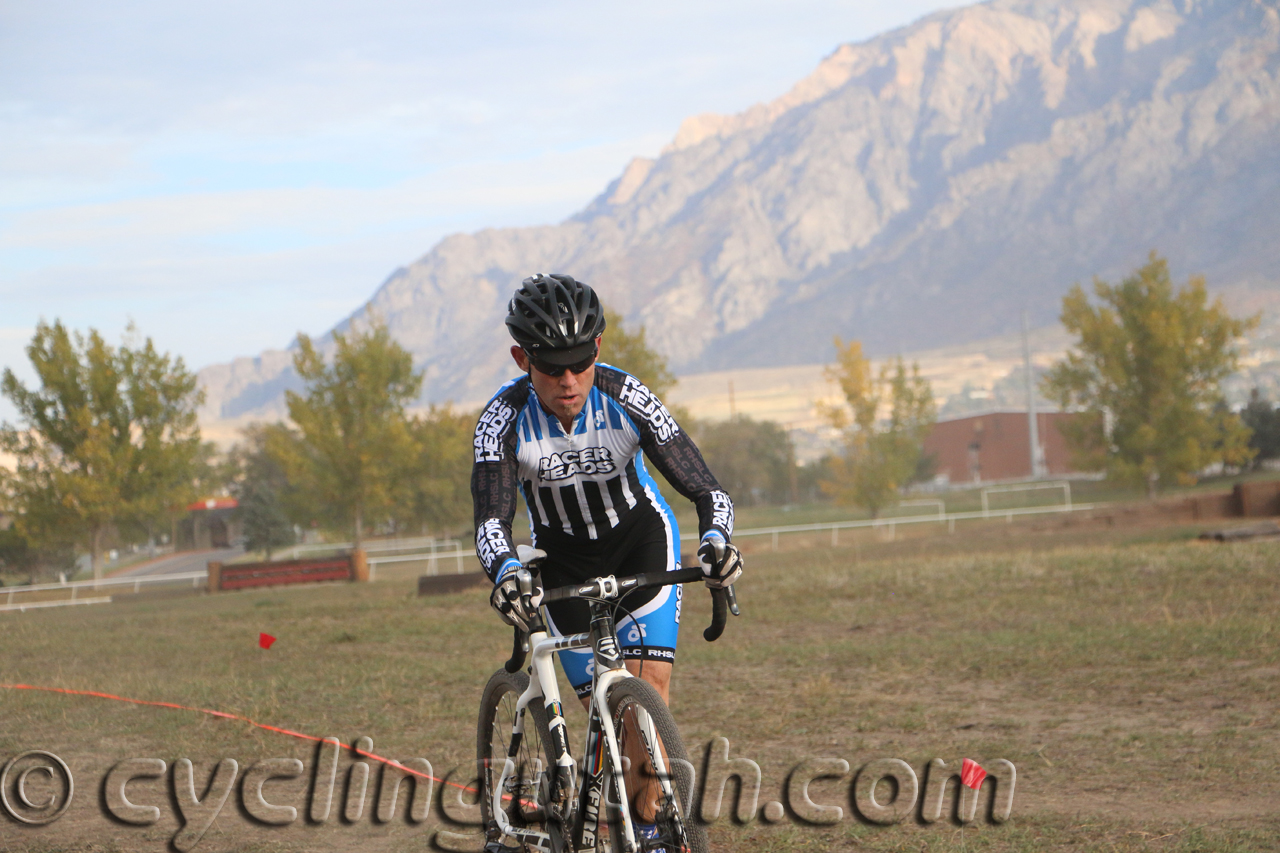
{"points": [[1147, 365], [266, 526], [347, 455], [16, 554], [109, 439], [881, 455], [1263, 420], [440, 469], [753, 460], [630, 351], [258, 482]]}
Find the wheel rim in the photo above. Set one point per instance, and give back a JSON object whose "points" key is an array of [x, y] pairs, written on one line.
{"points": [[653, 803], [527, 785]]}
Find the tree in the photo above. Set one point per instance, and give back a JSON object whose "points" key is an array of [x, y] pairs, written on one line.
{"points": [[440, 482], [880, 455], [15, 552], [266, 526], [631, 352], [348, 454], [18, 556], [751, 459], [109, 439], [1147, 366], [1263, 420], [258, 482]]}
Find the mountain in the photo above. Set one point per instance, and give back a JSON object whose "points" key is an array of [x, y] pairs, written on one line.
{"points": [[920, 189]]}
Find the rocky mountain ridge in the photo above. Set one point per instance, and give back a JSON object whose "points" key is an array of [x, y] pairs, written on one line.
{"points": [[919, 189]]}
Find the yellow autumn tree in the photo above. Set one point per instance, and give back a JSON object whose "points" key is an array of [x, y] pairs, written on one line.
{"points": [[882, 449]]}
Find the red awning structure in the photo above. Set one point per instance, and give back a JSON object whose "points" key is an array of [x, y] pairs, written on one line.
{"points": [[213, 503]]}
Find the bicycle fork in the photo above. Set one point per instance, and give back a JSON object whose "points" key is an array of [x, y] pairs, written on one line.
{"points": [[542, 684], [602, 738], [602, 745], [610, 668]]}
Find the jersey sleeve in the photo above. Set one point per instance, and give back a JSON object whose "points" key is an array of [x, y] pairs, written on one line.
{"points": [[494, 481], [671, 450]]}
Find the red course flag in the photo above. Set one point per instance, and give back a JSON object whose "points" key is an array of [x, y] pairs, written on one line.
{"points": [[265, 640], [972, 774]]}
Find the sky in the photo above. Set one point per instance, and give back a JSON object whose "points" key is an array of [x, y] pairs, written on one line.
{"points": [[225, 175]]}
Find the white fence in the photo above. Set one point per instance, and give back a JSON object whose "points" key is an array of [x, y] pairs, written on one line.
{"points": [[947, 518], [137, 582], [433, 555], [1029, 487], [374, 546], [889, 524]]}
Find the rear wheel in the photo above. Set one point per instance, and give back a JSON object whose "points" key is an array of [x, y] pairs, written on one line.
{"points": [[661, 792], [525, 791]]}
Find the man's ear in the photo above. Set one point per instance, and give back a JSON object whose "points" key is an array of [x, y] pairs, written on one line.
{"points": [[522, 359]]}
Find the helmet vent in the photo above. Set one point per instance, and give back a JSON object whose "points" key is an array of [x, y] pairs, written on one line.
{"points": [[554, 312]]}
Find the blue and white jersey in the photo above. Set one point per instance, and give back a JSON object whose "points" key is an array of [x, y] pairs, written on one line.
{"points": [[582, 483]]}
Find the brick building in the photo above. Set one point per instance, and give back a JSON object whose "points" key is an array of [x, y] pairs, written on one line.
{"points": [[996, 446]]}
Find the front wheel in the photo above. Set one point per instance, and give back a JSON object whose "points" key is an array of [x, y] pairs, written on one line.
{"points": [[526, 790], [660, 787]]}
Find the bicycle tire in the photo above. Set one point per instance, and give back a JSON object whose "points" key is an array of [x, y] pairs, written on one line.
{"points": [[493, 738], [632, 700]]}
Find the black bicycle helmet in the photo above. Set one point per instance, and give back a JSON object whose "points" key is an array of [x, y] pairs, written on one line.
{"points": [[555, 318]]}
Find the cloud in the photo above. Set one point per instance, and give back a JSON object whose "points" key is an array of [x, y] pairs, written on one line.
{"points": [[230, 173], [199, 225]]}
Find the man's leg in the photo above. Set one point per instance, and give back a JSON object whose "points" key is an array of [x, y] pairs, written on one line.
{"points": [[642, 779], [656, 672]]}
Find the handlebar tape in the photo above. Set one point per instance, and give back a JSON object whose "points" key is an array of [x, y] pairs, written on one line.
{"points": [[519, 647], [719, 615], [722, 602]]}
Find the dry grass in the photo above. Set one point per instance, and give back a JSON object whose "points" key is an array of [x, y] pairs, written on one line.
{"points": [[1134, 686]]}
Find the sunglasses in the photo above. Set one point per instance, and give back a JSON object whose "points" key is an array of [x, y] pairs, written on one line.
{"points": [[559, 369]]}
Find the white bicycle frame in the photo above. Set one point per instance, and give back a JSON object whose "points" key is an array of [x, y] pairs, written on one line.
{"points": [[542, 683]]}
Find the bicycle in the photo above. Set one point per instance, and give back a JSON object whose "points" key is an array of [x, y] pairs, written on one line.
{"points": [[526, 805]]}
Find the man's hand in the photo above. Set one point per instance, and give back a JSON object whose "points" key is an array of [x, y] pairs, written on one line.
{"points": [[511, 607], [721, 562]]}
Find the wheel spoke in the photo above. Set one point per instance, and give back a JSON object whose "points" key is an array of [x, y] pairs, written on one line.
{"points": [[660, 784], [524, 790]]}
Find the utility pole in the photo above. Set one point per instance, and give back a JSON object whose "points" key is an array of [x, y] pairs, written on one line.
{"points": [[732, 409], [1033, 429]]}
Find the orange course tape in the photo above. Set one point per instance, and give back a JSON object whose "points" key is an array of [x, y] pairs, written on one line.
{"points": [[227, 716]]}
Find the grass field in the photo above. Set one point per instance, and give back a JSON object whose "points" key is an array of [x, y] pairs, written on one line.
{"points": [[1132, 679]]}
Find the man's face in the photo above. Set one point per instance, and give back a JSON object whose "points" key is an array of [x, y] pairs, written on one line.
{"points": [[563, 395]]}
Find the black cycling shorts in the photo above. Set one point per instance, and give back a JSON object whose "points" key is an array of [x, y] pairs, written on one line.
{"points": [[648, 620]]}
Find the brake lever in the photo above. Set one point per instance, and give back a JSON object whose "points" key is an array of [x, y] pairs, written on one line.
{"points": [[732, 597]]}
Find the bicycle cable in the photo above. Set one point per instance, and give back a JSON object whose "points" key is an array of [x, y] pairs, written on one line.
{"points": [[636, 623], [617, 605]]}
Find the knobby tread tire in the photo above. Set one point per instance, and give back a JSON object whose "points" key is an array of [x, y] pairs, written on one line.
{"points": [[635, 692], [497, 707]]}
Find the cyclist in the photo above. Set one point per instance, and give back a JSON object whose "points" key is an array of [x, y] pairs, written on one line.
{"points": [[570, 434]]}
